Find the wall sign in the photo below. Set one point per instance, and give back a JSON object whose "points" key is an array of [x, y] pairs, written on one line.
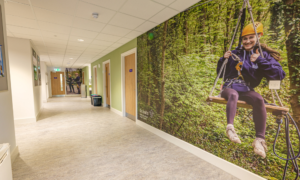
{"points": [[55, 77], [130, 70]]}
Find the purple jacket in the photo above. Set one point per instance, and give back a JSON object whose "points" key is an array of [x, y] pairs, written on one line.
{"points": [[266, 67]]}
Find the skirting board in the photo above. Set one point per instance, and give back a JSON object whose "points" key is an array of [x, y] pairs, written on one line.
{"points": [[14, 154], [25, 120], [226, 166], [116, 111]]}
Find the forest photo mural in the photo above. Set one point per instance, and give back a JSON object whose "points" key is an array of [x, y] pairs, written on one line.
{"points": [[176, 67]]}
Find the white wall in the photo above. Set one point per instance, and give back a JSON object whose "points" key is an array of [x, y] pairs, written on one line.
{"points": [[21, 79], [44, 77], [7, 129], [37, 90], [27, 98]]}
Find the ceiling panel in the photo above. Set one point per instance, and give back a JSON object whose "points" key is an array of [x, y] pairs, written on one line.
{"points": [[75, 48], [144, 9], [18, 9], [75, 39], [62, 6], [180, 5], [126, 21], [81, 33], [124, 40], [98, 48], [53, 17], [54, 27], [55, 41], [164, 2], [146, 26], [23, 30], [116, 45], [23, 22], [21, 1], [54, 35], [9, 34], [107, 37], [88, 24], [113, 30], [27, 36], [102, 43], [110, 4], [78, 44], [85, 10], [163, 15], [133, 34]]}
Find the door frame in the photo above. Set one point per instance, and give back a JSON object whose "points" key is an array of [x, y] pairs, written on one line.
{"points": [[94, 67], [64, 87], [132, 51], [104, 76]]}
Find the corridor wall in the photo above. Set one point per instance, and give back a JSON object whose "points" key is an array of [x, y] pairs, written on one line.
{"points": [[176, 65], [115, 73], [7, 129], [27, 98]]}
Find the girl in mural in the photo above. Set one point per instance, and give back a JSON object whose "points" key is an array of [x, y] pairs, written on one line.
{"points": [[242, 77]]}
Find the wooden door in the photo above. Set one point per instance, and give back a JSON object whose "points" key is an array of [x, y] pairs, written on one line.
{"points": [[58, 83], [107, 83], [95, 80], [130, 89], [82, 77]]}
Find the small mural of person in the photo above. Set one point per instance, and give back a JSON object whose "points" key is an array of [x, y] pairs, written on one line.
{"points": [[70, 83], [78, 81]]}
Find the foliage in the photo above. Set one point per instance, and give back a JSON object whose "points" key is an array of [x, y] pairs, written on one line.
{"points": [[195, 40]]}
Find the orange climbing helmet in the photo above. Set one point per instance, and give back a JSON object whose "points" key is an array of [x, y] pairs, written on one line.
{"points": [[250, 30]]}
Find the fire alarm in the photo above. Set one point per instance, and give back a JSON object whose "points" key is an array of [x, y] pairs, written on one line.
{"points": [[95, 15]]}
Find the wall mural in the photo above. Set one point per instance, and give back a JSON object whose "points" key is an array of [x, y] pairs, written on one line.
{"points": [[74, 80], [177, 62], [35, 68]]}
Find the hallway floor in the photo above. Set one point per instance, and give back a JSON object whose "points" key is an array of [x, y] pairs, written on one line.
{"points": [[75, 141]]}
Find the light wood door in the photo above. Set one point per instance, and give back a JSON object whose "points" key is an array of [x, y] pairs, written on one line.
{"points": [[58, 83], [130, 88], [107, 83], [95, 80]]}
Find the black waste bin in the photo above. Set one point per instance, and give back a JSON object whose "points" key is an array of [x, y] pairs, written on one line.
{"points": [[93, 95], [97, 101]]}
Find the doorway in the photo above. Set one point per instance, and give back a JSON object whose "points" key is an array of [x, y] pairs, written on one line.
{"points": [[58, 83], [129, 84], [106, 84], [95, 79]]}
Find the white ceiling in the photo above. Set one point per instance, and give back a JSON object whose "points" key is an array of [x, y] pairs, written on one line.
{"points": [[54, 26]]}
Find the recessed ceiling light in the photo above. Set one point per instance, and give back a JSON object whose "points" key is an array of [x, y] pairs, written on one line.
{"points": [[80, 40], [71, 58]]}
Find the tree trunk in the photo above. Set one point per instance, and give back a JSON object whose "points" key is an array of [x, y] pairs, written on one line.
{"points": [[292, 31], [163, 76], [149, 78], [227, 34], [186, 33]]}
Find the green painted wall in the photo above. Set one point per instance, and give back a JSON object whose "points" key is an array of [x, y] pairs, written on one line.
{"points": [[115, 73], [86, 77]]}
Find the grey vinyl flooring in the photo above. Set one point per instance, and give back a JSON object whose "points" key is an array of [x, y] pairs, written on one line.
{"points": [[75, 141]]}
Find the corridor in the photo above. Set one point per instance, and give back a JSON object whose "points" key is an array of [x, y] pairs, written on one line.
{"points": [[75, 141]]}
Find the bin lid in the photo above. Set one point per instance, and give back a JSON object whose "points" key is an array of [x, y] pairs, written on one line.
{"points": [[97, 97]]}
